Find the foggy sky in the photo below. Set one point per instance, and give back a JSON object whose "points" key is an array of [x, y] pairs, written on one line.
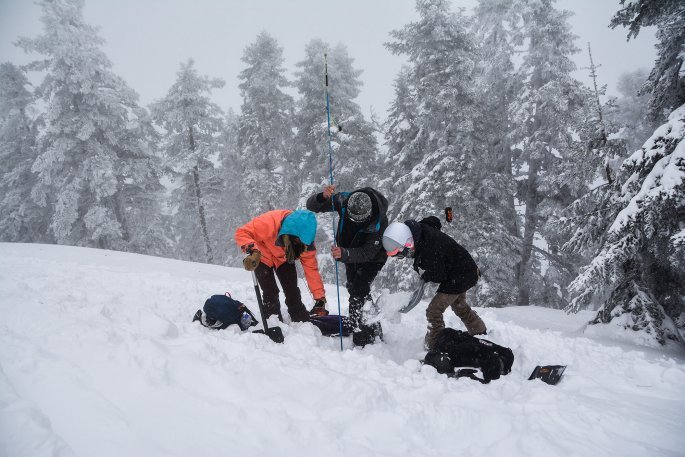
{"points": [[147, 40]]}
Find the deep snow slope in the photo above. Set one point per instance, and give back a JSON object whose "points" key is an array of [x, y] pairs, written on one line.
{"points": [[99, 357]]}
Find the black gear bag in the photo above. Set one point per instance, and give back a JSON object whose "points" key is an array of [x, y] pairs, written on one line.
{"points": [[458, 354]]}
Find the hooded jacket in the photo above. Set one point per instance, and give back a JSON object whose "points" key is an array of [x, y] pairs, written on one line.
{"points": [[360, 242], [265, 233], [438, 258]]}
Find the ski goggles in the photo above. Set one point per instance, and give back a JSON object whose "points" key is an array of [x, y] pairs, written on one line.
{"points": [[401, 252]]}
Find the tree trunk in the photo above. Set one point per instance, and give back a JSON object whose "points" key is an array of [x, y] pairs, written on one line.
{"points": [[198, 196], [530, 224]]}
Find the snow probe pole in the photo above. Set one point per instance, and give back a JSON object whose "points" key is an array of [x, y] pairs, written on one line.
{"points": [[330, 168]]}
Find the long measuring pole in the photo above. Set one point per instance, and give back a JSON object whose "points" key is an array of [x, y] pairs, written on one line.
{"points": [[330, 168]]}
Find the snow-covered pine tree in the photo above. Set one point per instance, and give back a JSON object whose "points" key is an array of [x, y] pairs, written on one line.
{"points": [[193, 127], [638, 274], [631, 110], [233, 211], [93, 165], [355, 151], [580, 228], [266, 129], [547, 112], [21, 220], [436, 146], [666, 83], [495, 27], [141, 192], [401, 129]]}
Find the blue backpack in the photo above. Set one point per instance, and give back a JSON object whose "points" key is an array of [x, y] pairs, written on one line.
{"points": [[220, 311]]}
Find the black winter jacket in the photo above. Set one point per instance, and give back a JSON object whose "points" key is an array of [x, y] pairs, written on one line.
{"points": [[438, 258], [360, 243]]}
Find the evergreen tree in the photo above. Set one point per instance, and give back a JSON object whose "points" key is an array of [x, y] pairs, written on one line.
{"points": [[631, 111], [496, 27], [548, 110], [581, 227], [354, 146], [193, 128], [437, 147], [93, 165], [638, 274], [266, 128], [401, 130], [232, 208], [20, 218], [141, 192], [666, 83]]}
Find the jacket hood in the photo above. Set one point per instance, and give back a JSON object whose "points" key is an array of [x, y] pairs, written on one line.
{"points": [[380, 203], [416, 231], [300, 223]]}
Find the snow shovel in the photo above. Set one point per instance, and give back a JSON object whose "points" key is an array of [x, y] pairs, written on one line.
{"points": [[415, 298], [274, 333], [551, 374]]}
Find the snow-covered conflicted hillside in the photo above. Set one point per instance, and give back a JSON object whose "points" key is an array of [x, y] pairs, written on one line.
{"points": [[99, 357]]}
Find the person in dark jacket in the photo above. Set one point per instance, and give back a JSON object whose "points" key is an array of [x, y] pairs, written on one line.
{"points": [[358, 239], [437, 258]]}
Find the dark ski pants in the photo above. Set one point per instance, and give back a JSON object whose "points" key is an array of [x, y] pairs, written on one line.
{"points": [[287, 276], [437, 307], [359, 279]]}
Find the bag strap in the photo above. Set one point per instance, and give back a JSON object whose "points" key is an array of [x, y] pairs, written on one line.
{"points": [[200, 317], [468, 373]]}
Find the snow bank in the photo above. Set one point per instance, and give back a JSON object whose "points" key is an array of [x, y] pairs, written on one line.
{"points": [[98, 356]]}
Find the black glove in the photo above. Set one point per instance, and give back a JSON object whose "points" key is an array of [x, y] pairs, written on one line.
{"points": [[319, 308]]}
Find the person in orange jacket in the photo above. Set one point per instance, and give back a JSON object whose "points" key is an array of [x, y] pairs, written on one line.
{"points": [[272, 242]]}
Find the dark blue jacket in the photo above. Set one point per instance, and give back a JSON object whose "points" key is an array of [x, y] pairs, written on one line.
{"points": [[360, 243]]}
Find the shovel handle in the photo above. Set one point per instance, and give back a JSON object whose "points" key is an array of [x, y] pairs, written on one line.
{"points": [[259, 301]]}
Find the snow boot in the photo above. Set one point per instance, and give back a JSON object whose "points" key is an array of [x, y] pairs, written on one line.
{"points": [[366, 334]]}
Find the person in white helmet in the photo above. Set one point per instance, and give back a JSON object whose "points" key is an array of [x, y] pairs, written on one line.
{"points": [[437, 258]]}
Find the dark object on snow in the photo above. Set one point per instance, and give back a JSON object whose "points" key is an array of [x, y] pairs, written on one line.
{"points": [[367, 334], [220, 311], [551, 374], [274, 333], [454, 349], [448, 214], [415, 298], [330, 325]]}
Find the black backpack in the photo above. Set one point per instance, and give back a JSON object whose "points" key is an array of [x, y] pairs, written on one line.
{"points": [[455, 349]]}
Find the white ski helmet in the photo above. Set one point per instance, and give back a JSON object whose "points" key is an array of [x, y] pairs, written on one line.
{"points": [[396, 238]]}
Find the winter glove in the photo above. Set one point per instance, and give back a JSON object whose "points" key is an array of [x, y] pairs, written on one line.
{"points": [[319, 308], [251, 262]]}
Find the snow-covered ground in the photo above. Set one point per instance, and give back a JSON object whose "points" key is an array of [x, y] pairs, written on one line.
{"points": [[99, 357]]}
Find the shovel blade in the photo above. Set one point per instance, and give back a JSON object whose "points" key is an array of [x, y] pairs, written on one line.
{"points": [[416, 297], [275, 334]]}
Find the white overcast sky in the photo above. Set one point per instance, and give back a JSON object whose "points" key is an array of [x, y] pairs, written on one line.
{"points": [[146, 40]]}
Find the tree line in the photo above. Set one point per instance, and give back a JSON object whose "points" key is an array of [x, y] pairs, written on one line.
{"points": [[565, 200]]}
